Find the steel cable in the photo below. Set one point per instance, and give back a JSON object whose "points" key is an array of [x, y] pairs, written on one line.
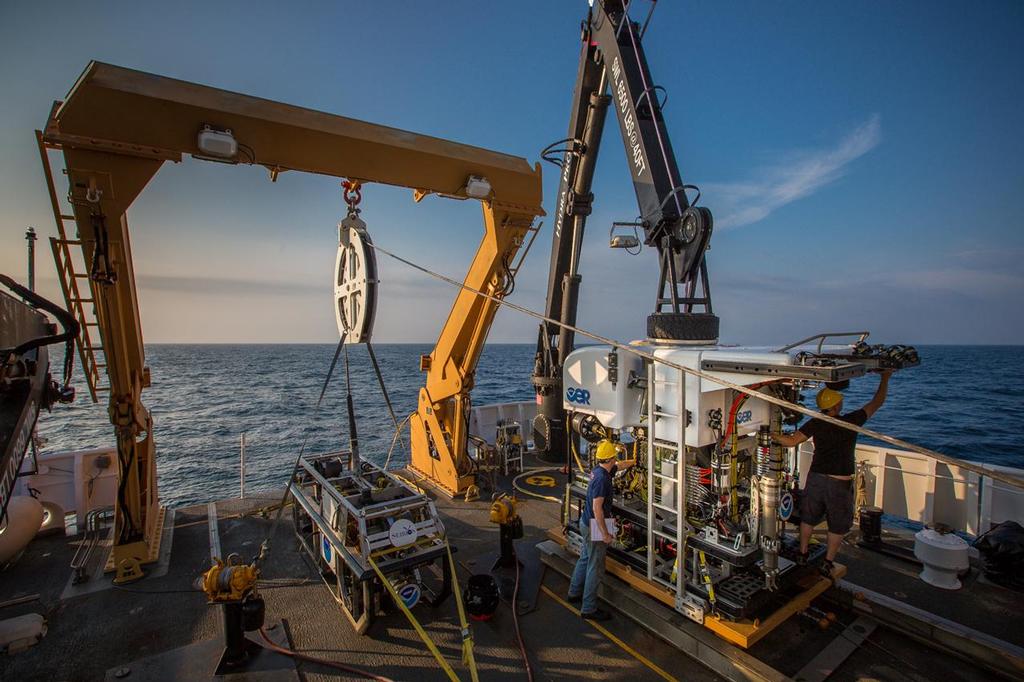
{"points": [[1010, 479]]}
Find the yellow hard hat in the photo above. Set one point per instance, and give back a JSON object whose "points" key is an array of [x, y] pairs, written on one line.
{"points": [[827, 398], [606, 450]]}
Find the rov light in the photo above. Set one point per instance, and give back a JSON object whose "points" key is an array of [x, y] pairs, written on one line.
{"points": [[477, 187], [219, 144]]}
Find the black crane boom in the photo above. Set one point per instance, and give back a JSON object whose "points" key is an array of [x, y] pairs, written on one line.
{"points": [[613, 68]]}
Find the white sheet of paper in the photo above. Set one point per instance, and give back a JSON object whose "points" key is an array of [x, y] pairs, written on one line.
{"points": [[597, 533]]}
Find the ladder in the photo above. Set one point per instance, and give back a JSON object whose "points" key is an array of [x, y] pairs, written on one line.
{"points": [[73, 284], [666, 486]]}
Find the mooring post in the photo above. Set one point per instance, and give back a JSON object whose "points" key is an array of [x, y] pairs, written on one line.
{"points": [[30, 237]]}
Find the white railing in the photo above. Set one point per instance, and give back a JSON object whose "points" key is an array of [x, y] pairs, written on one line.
{"points": [[903, 484], [483, 419], [911, 486], [77, 480]]}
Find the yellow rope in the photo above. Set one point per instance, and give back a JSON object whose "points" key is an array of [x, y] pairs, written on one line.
{"points": [[575, 455], [415, 623], [467, 636]]}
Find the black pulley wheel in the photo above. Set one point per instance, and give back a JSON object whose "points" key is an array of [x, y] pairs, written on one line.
{"points": [[683, 327]]}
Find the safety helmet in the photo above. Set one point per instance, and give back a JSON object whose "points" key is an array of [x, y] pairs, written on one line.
{"points": [[606, 450], [827, 398]]}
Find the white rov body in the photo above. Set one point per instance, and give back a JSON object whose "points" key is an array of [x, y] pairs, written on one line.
{"points": [[590, 389]]}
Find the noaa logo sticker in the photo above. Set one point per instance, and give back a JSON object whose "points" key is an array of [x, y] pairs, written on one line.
{"points": [[327, 550], [410, 594], [785, 506], [402, 533]]}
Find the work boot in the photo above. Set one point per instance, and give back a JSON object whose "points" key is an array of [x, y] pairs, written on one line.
{"points": [[801, 558], [574, 599], [827, 567], [596, 614]]}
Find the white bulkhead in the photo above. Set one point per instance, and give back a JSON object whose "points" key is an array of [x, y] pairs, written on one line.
{"points": [[703, 396], [622, 403], [588, 388]]}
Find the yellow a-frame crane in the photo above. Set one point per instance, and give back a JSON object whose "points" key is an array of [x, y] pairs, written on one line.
{"points": [[118, 126]]}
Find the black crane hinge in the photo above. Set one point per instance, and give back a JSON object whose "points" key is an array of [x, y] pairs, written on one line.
{"points": [[580, 204]]}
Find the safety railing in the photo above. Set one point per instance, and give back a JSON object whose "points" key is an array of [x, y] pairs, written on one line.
{"points": [[917, 488]]}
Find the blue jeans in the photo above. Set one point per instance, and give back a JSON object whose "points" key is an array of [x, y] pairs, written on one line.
{"points": [[589, 571]]}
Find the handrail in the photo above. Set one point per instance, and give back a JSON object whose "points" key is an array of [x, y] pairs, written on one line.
{"points": [[820, 338]]}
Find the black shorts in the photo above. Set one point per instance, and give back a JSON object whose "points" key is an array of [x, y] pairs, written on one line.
{"points": [[824, 497]]}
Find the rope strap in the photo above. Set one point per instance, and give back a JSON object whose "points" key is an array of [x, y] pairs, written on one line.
{"points": [[467, 636]]}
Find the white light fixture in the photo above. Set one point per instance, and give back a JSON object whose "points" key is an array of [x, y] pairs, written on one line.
{"points": [[477, 187], [219, 144]]}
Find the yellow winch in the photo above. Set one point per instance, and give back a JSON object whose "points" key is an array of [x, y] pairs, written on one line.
{"points": [[503, 509], [230, 581]]}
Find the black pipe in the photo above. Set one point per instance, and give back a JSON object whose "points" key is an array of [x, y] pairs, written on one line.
{"points": [[66, 319]]}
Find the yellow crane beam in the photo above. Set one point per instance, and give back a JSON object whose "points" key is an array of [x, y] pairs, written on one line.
{"points": [[116, 128]]}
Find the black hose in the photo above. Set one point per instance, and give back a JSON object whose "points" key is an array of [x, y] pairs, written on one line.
{"points": [[515, 620], [66, 319], [268, 644]]}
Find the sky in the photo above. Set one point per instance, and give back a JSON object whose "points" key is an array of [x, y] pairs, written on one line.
{"points": [[862, 160]]}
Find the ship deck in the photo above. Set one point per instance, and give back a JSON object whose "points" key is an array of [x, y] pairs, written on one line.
{"points": [[96, 630]]}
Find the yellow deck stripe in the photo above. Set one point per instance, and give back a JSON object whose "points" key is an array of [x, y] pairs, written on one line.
{"points": [[622, 645]]}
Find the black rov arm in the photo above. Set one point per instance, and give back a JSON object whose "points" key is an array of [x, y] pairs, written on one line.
{"points": [[612, 55]]}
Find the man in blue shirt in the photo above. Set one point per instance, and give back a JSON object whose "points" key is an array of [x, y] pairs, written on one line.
{"points": [[586, 577]]}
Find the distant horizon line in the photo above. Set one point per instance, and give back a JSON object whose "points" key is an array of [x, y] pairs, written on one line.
{"points": [[491, 343]]}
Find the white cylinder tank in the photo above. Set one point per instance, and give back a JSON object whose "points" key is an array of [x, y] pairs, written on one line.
{"points": [[24, 516]]}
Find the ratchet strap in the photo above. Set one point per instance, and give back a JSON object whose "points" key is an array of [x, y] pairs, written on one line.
{"points": [[705, 576], [467, 635]]}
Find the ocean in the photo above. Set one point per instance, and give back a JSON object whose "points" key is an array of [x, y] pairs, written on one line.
{"points": [[964, 401]]}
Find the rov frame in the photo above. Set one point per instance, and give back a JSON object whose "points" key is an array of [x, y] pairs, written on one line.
{"points": [[345, 512]]}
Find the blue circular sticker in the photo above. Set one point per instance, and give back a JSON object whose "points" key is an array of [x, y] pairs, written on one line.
{"points": [[327, 551], [786, 506], [410, 594]]}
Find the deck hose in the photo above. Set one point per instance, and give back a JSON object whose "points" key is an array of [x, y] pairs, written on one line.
{"points": [[268, 644]]}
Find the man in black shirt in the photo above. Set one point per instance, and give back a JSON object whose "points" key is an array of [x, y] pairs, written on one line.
{"points": [[828, 492]]}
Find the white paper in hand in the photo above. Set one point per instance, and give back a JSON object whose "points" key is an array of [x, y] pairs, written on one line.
{"points": [[597, 532]]}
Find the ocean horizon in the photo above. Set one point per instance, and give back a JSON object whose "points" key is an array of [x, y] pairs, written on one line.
{"points": [[963, 401]]}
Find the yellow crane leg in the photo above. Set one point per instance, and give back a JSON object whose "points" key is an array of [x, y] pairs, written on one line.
{"points": [[440, 427]]}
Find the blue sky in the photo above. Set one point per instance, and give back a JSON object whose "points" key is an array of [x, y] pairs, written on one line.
{"points": [[862, 160]]}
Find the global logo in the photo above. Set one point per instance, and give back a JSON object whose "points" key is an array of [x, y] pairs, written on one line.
{"points": [[410, 594], [744, 417], [580, 396]]}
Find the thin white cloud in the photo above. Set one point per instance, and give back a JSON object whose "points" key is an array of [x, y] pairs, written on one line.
{"points": [[747, 202]]}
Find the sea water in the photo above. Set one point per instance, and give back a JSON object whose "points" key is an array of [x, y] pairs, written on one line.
{"points": [[964, 401]]}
